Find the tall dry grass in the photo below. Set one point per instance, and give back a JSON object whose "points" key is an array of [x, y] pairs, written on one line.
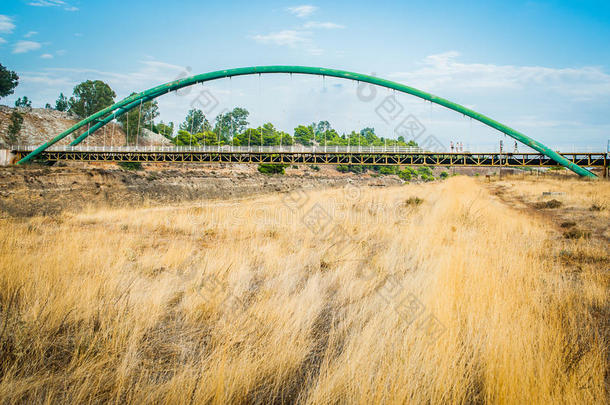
{"points": [[457, 299]]}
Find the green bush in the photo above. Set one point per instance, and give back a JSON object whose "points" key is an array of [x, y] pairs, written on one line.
{"points": [[270, 169], [315, 167], [351, 168], [407, 173], [131, 165], [387, 170], [404, 175], [424, 171], [342, 168], [444, 175]]}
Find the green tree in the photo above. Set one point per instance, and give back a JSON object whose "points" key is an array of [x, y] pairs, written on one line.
{"points": [[231, 123], [8, 81], [250, 136], [304, 135], [15, 126], [90, 97], [369, 134], [195, 122], [272, 136], [62, 103], [167, 130], [23, 102], [184, 138], [322, 127], [139, 118]]}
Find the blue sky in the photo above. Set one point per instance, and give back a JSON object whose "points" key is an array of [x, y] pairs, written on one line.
{"points": [[540, 67]]}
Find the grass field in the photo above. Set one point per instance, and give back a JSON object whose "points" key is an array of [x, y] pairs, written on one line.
{"points": [[448, 292]]}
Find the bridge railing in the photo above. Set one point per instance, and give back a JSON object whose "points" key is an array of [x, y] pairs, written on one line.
{"points": [[226, 148]]}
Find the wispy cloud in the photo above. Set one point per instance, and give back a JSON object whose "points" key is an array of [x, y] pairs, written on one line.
{"points": [[291, 38], [285, 37], [151, 73], [2, 41], [26, 46], [46, 56], [302, 11], [53, 3], [30, 34], [6, 24], [322, 25], [444, 71]]}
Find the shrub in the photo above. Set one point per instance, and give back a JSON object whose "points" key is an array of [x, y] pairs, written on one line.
{"points": [[351, 168], [548, 204], [414, 201], [407, 174], [131, 165], [386, 170], [315, 167], [424, 171], [15, 126], [576, 234], [444, 175], [270, 169]]}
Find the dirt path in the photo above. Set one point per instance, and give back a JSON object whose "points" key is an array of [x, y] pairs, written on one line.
{"points": [[573, 218]]}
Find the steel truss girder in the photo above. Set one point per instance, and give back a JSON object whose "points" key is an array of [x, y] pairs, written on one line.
{"points": [[329, 158]]}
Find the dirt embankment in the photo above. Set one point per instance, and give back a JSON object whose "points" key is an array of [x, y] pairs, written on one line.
{"points": [[41, 124], [39, 190]]}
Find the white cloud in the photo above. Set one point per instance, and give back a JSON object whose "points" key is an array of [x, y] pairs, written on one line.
{"points": [[6, 24], [53, 3], [26, 46], [444, 71], [322, 25], [302, 11], [152, 73], [2, 41], [47, 3], [30, 34], [286, 37], [46, 56]]}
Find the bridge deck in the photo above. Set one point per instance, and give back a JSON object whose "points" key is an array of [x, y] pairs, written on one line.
{"points": [[319, 156]]}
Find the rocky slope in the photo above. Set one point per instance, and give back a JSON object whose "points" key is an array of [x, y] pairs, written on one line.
{"points": [[40, 125]]}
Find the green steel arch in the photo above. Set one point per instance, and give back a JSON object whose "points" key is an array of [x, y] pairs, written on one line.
{"points": [[104, 116]]}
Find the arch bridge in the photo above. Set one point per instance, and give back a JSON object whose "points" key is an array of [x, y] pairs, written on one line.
{"points": [[545, 157]]}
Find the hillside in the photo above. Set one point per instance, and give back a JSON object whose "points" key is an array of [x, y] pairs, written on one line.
{"points": [[40, 125]]}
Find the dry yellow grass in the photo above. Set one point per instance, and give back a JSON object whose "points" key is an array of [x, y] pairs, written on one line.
{"points": [[457, 299]]}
